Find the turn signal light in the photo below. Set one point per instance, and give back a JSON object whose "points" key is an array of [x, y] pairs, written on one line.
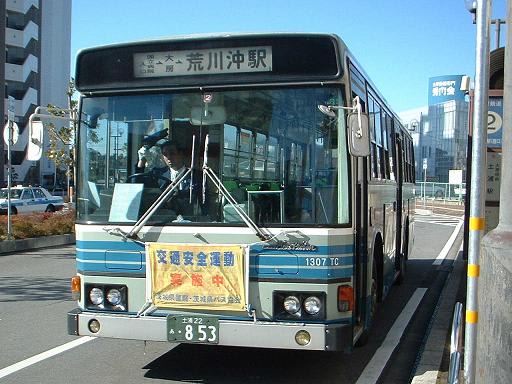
{"points": [[345, 298], [75, 287]]}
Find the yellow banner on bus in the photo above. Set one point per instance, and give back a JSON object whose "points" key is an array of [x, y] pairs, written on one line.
{"points": [[186, 276]]}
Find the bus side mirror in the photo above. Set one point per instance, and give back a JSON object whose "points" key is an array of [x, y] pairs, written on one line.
{"points": [[358, 134]]}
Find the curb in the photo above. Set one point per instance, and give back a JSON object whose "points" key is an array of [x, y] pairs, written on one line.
{"points": [[9, 246], [428, 370]]}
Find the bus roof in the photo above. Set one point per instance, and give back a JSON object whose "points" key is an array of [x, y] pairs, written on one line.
{"points": [[210, 36]]}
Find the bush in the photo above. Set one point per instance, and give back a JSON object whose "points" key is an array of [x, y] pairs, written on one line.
{"points": [[38, 224]]}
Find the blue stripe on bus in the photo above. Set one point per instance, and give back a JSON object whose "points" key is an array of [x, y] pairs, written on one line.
{"points": [[321, 249], [130, 245], [325, 263], [110, 245], [303, 273], [313, 261]]}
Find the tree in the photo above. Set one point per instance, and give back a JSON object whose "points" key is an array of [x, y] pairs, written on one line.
{"points": [[62, 138]]}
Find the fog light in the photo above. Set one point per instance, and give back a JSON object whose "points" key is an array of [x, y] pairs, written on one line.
{"points": [[291, 304], [94, 326], [302, 338]]}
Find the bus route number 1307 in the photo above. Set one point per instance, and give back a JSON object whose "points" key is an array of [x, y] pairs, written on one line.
{"points": [[322, 261]]}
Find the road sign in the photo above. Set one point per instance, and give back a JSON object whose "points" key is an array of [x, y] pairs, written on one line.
{"points": [[425, 163], [14, 135], [455, 176], [495, 122]]}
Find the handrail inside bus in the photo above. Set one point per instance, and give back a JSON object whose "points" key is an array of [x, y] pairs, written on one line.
{"points": [[136, 228], [225, 193], [158, 202]]}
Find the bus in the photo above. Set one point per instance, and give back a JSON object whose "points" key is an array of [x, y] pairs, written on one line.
{"points": [[297, 215]]}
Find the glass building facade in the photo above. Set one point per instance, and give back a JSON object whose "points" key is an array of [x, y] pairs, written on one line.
{"points": [[441, 134]]}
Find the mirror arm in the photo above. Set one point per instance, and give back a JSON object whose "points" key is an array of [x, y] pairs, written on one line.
{"points": [[356, 107]]}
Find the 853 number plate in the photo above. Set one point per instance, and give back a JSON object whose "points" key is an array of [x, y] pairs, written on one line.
{"points": [[193, 329]]}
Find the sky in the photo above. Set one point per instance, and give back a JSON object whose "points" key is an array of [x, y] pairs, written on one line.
{"points": [[399, 43]]}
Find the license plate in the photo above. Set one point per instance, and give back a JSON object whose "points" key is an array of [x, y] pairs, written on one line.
{"points": [[193, 329]]}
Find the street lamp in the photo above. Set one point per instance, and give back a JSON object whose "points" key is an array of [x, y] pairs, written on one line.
{"points": [[471, 7]]}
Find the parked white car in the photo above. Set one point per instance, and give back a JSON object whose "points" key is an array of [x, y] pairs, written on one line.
{"points": [[30, 199]]}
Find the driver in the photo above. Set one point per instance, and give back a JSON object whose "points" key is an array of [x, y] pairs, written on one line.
{"points": [[173, 157]]}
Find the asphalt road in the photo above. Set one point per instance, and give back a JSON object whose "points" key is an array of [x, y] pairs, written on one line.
{"points": [[35, 297]]}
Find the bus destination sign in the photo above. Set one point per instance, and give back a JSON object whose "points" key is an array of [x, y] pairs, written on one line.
{"points": [[203, 62]]}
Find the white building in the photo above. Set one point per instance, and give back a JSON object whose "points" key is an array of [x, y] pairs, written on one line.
{"points": [[440, 130], [35, 69]]}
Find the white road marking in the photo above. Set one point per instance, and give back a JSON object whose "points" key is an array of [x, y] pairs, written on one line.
{"points": [[375, 367], [442, 255], [43, 356]]}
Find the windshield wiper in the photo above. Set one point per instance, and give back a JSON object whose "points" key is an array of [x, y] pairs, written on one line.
{"points": [[225, 193], [218, 184], [164, 196]]}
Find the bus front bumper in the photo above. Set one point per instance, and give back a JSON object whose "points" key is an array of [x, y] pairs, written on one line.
{"points": [[259, 334]]}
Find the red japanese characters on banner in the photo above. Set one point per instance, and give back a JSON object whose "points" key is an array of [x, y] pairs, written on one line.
{"points": [[197, 276]]}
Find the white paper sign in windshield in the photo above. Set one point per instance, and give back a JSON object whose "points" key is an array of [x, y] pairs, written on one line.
{"points": [[203, 62]]}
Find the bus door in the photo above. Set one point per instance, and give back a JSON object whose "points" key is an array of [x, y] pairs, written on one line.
{"points": [[398, 162], [361, 261], [362, 270]]}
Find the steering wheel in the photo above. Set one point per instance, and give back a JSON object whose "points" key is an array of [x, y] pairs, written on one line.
{"points": [[149, 179]]}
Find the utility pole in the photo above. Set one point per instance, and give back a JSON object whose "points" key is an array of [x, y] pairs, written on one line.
{"points": [[478, 174], [494, 349]]}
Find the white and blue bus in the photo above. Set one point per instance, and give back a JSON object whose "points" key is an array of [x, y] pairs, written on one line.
{"points": [[297, 212]]}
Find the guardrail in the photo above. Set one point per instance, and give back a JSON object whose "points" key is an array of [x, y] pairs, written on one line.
{"points": [[440, 191], [455, 345]]}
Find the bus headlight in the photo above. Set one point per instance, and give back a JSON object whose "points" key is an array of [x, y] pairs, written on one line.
{"points": [[114, 296], [96, 296], [106, 297], [291, 305], [298, 306], [312, 305]]}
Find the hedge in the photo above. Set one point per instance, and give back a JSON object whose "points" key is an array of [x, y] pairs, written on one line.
{"points": [[38, 224]]}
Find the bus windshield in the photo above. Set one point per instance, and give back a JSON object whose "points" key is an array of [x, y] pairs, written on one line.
{"points": [[280, 158]]}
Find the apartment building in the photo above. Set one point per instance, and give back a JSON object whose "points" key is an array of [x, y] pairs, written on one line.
{"points": [[36, 35]]}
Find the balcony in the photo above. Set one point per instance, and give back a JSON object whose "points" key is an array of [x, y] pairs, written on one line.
{"points": [[20, 73], [21, 6], [21, 106], [17, 38]]}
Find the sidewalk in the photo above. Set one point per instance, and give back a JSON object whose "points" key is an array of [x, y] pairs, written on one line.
{"points": [[9, 246], [434, 362]]}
